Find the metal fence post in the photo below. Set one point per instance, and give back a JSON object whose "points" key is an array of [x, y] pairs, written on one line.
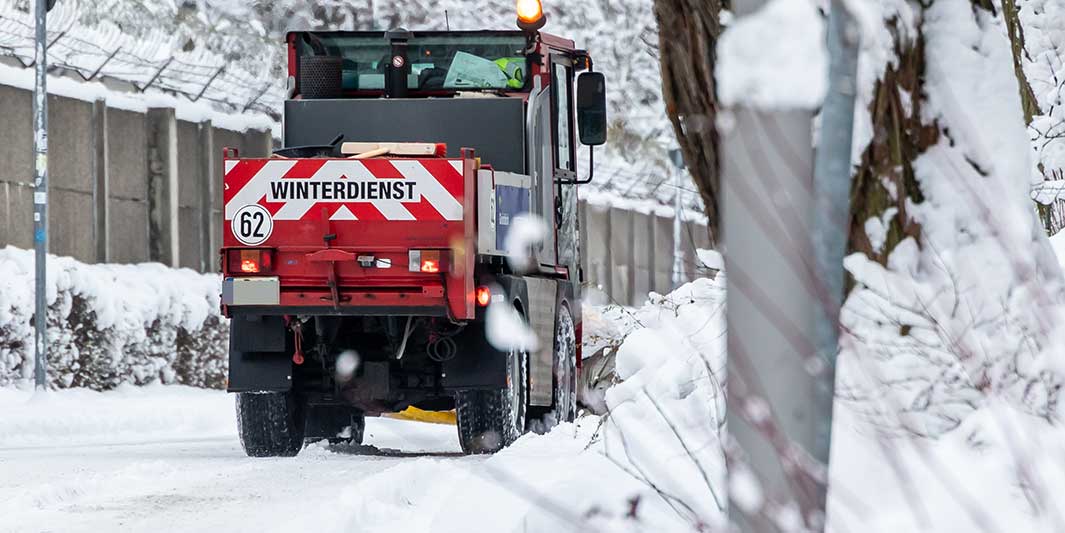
{"points": [[832, 187]]}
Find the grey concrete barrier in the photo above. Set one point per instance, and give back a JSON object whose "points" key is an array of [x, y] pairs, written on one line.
{"points": [[104, 166]]}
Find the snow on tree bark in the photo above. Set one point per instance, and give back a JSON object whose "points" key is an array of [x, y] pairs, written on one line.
{"points": [[956, 294]]}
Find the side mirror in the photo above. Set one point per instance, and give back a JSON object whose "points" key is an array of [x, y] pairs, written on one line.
{"points": [[49, 4], [591, 108]]}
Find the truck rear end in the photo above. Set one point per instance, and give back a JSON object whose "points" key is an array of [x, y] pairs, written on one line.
{"points": [[359, 276]]}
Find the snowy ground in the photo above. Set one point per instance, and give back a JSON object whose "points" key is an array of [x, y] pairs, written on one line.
{"points": [[166, 458]]}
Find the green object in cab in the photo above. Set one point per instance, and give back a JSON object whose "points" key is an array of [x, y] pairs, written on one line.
{"points": [[512, 67]]}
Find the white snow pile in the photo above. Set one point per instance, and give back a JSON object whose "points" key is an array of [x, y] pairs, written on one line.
{"points": [[1000, 470], [666, 414], [112, 324], [774, 58], [973, 311], [125, 415]]}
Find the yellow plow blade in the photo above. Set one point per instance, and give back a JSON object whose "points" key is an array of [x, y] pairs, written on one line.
{"points": [[420, 415]]}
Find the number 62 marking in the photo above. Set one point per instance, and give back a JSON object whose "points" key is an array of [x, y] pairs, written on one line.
{"points": [[252, 225]]}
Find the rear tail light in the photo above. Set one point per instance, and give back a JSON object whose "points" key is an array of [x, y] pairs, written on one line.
{"points": [[250, 261], [428, 261], [484, 296]]}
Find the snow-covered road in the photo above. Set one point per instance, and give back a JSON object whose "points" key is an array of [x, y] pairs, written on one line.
{"points": [[166, 458], [196, 484], [81, 461]]}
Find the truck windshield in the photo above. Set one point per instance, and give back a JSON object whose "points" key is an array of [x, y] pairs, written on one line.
{"points": [[457, 62]]}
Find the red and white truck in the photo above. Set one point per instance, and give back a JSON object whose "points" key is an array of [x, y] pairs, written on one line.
{"points": [[361, 260]]}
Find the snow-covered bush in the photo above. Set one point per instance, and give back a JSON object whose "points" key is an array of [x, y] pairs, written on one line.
{"points": [[113, 324], [666, 412]]}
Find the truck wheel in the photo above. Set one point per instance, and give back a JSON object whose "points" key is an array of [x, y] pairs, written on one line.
{"points": [[270, 423], [564, 408], [489, 420]]}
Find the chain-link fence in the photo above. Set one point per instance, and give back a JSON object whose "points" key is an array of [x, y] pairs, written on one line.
{"points": [[152, 63]]}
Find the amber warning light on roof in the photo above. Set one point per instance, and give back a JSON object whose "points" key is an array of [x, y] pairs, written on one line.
{"points": [[531, 15]]}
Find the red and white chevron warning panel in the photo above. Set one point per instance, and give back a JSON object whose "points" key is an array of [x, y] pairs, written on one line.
{"points": [[369, 189]]}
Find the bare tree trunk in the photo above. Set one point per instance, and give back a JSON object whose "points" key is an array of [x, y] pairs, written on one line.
{"points": [[687, 36]]}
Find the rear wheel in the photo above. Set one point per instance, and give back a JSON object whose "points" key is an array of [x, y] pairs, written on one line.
{"points": [[489, 420], [564, 408], [270, 423]]}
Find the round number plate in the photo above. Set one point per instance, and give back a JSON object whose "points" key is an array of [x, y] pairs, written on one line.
{"points": [[252, 225]]}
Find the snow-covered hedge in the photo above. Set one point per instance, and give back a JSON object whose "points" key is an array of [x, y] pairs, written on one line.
{"points": [[113, 324], [665, 409]]}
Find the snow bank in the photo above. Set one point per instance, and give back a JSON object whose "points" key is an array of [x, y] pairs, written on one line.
{"points": [[666, 407], [126, 415], [561, 481], [113, 324], [1000, 470], [667, 411]]}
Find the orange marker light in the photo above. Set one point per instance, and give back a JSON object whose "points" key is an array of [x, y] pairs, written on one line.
{"points": [[484, 295], [430, 266], [250, 261], [428, 261]]}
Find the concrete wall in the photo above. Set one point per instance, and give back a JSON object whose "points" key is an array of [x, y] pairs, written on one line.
{"points": [[190, 189], [127, 175], [98, 170], [16, 173], [627, 254]]}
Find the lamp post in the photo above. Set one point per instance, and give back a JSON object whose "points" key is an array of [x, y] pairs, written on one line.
{"points": [[40, 191]]}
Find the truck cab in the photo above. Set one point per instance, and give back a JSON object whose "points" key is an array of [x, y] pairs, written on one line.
{"points": [[370, 265]]}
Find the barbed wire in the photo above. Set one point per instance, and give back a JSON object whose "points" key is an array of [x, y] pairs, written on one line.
{"points": [[97, 53]]}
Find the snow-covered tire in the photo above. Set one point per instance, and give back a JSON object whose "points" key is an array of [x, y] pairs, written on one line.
{"points": [[270, 423], [489, 420], [564, 368]]}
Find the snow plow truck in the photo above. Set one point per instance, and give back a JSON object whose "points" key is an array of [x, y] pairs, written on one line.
{"points": [[362, 262]]}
